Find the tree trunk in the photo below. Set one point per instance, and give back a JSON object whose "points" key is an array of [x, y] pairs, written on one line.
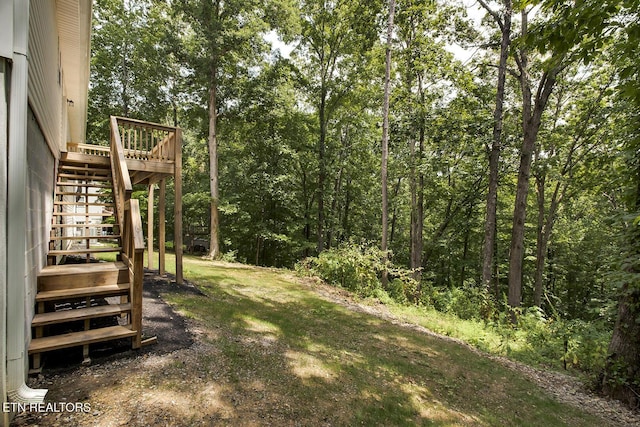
{"points": [[545, 226], [322, 167], [307, 212], [621, 376], [336, 209], [394, 216], [465, 249], [531, 120], [494, 155], [385, 142], [417, 197], [214, 241]]}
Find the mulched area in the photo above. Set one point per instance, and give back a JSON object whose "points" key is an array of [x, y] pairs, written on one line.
{"points": [[158, 319]]}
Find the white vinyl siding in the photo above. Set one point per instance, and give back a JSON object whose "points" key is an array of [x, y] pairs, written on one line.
{"points": [[45, 75]]}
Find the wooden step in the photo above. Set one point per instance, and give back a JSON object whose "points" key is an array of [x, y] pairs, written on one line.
{"points": [[73, 176], [92, 291], [90, 169], [83, 184], [82, 194], [106, 236], [81, 251], [72, 315], [63, 203], [73, 339], [69, 158], [70, 276], [83, 214], [101, 225]]}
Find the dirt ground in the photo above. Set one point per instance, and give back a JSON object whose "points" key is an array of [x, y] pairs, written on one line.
{"points": [[119, 398], [61, 366]]}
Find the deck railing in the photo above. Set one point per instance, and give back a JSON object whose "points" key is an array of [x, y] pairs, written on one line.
{"points": [[128, 213], [140, 140], [147, 141]]}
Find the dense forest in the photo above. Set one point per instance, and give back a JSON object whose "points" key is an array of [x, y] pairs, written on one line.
{"points": [[478, 157]]}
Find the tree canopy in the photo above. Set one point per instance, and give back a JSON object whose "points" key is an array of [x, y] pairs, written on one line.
{"points": [[510, 176]]}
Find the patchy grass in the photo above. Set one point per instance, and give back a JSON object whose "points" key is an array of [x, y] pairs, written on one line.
{"points": [[272, 350], [305, 360]]}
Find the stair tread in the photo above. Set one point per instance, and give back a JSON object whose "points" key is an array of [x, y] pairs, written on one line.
{"points": [[59, 203], [73, 339], [102, 290], [82, 194], [108, 236], [95, 169], [100, 225], [84, 251], [80, 177], [82, 184], [62, 316], [56, 270], [82, 213]]}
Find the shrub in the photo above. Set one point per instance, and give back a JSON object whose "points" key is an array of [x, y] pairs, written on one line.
{"points": [[353, 267], [358, 268], [468, 302]]}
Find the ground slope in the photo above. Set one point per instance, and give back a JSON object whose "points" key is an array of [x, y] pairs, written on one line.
{"points": [[270, 349]]}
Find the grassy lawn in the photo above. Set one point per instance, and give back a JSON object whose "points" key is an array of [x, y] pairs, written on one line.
{"points": [[281, 354]]}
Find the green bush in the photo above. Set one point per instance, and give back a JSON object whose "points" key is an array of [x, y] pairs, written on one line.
{"points": [[468, 302], [587, 343], [353, 267], [574, 344], [358, 268]]}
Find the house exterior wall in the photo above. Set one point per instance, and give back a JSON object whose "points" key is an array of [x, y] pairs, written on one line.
{"points": [[37, 39], [45, 74], [40, 187]]}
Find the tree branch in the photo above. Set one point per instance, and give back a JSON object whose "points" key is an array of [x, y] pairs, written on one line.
{"points": [[493, 13]]}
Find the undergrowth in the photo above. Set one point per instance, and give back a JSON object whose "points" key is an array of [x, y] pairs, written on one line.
{"points": [[467, 313]]}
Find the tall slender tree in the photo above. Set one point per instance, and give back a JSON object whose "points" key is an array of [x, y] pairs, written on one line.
{"points": [[385, 139], [532, 111], [503, 20]]}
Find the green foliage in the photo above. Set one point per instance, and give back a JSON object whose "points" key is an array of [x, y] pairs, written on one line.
{"points": [[469, 302], [353, 267], [153, 61], [358, 268], [566, 344]]}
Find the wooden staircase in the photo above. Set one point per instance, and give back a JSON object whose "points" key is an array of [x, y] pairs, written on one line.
{"points": [[83, 218], [85, 302]]}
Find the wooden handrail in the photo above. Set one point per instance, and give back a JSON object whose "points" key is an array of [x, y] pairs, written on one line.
{"points": [[128, 213], [138, 139], [95, 150], [146, 141]]}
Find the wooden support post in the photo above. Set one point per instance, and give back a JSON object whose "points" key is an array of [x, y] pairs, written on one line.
{"points": [[136, 301], [150, 227], [161, 226], [86, 360], [177, 233]]}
